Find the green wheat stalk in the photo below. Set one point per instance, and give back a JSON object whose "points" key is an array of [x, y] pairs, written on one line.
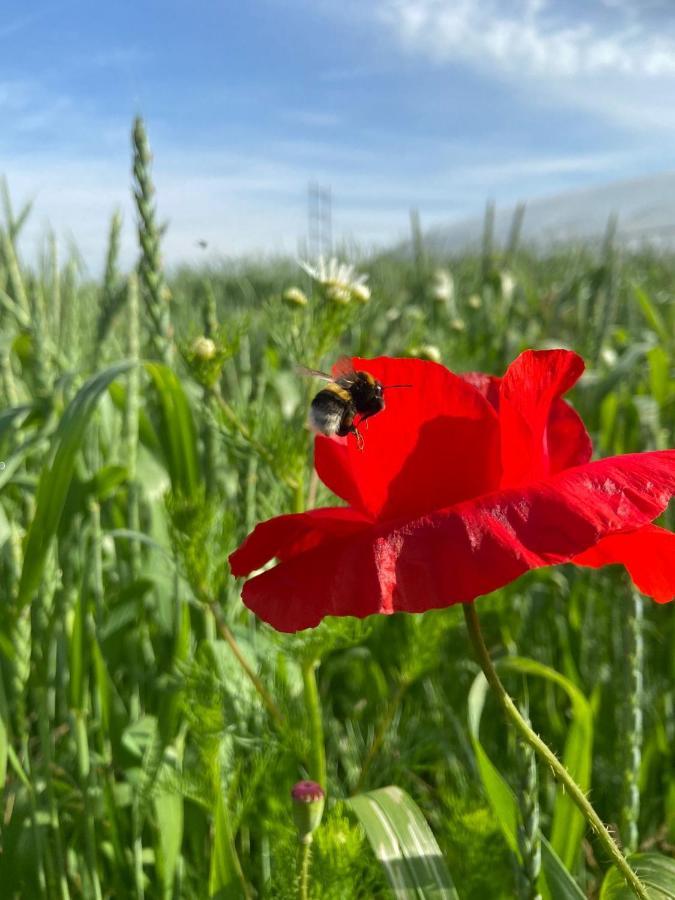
{"points": [[633, 728], [155, 290]]}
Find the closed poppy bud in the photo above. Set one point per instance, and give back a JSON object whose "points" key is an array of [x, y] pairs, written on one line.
{"points": [[308, 801]]}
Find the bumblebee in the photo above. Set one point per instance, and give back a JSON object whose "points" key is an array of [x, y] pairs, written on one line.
{"points": [[348, 394]]}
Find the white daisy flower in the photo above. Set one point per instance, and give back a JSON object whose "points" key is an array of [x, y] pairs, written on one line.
{"points": [[340, 281]]}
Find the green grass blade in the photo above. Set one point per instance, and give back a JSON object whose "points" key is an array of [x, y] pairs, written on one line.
{"points": [[657, 873], [177, 433], [560, 885], [169, 811], [4, 736], [57, 475], [404, 844], [226, 880], [652, 315], [568, 826]]}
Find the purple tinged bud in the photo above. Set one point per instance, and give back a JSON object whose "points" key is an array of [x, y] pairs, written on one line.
{"points": [[308, 802]]}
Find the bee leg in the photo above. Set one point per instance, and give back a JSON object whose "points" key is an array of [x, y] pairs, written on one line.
{"points": [[359, 439]]}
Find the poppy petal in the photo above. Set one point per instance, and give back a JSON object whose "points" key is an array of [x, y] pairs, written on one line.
{"points": [[538, 438], [567, 440], [457, 554], [289, 535], [648, 554], [435, 444]]}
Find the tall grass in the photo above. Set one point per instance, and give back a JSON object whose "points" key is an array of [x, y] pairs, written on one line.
{"points": [[150, 728]]}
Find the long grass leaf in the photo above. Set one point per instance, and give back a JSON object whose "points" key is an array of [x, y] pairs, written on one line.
{"points": [[404, 844], [56, 477], [656, 871]]}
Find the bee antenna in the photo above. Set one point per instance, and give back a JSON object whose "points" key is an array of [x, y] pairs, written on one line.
{"points": [[386, 387]]}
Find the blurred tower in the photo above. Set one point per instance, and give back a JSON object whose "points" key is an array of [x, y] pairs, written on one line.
{"points": [[320, 221]]}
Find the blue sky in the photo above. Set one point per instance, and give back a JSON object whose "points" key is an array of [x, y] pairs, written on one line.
{"points": [[392, 103]]}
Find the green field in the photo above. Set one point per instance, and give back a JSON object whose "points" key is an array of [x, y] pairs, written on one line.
{"points": [[151, 728]]}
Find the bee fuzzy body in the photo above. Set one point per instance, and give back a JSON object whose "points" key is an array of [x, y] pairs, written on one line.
{"points": [[348, 399], [335, 407], [332, 411]]}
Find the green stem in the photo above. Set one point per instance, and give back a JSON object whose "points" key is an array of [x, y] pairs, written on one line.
{"points": [[632, 723], [233, 419], [262, 691], [317, 759], [559, 771], [305, 856], [382, 729]]}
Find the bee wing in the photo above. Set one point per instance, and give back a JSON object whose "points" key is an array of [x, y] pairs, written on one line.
{"points": [[344, 370], [313, 373]]}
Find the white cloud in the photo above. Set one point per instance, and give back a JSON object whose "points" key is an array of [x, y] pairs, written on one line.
{"points": [[530, 36], [613, 58]]}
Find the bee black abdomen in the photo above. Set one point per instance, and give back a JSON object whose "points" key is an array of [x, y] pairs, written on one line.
{"points": [[332, 412]]}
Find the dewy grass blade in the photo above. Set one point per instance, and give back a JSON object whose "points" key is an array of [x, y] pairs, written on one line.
{"points": [[404, 844]]}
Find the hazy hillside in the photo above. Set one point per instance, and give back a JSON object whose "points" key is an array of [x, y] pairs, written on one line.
{"points": [[644, 207]]}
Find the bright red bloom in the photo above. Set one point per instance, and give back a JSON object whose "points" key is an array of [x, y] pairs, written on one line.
{"points": [[464, 484]]}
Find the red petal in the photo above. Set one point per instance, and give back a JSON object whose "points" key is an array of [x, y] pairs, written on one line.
{"points": [[434, 444], [457, 554], [289, 535], [568, 441], [565, 436], [648, 554], [538, 438]]}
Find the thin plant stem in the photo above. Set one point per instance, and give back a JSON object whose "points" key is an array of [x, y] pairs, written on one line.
{"points": [[383, 728], [632, 725], [303, 866], [547, 755], [317, 759], [264, 694], [233, 419], [84, 772]]}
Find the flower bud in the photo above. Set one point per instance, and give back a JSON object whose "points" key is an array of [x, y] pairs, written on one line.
{"points": [[293, 296], [361, 292], [308, 801], [203, 349], [443, 290], [507, 284], [339, 294], [427, 351]]}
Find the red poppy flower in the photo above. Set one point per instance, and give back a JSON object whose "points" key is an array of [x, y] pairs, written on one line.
{"points": [[464, 483]]}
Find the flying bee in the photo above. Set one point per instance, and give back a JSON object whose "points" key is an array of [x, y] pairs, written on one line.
{"points": [[349, 394]]}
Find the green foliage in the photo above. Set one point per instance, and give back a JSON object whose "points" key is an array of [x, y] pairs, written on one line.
{"points": [[656, 871], [150, 728]]}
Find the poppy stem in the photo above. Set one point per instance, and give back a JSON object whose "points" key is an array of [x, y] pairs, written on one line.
{"points": [[303, 878], [547, 755], [317, 752]]}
